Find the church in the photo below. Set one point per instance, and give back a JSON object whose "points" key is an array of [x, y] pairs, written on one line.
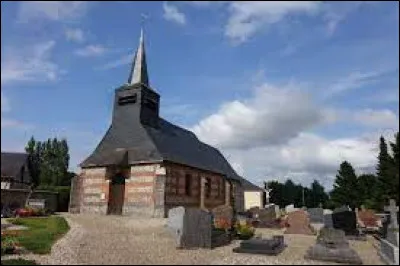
{"points": [[145, 165]]}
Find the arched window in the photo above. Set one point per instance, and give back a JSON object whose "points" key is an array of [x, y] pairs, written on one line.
{"points": [[188, 185], [208, 187]]}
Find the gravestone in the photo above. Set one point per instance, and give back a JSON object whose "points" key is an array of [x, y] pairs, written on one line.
{"points": [[389, 249], [332, 245], [37, 203], [345, 219], [316, 215], [290, 208], [328, 222], [299, 223], [223, 213], [267, 217], [193, 228], [272, 246]]}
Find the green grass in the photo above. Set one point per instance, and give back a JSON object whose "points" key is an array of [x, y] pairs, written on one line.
{"points": [[42, 232], [18, 262]]}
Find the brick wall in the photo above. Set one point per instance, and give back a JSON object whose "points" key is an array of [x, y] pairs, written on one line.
{"points": [[95, 187], [175, 187]]}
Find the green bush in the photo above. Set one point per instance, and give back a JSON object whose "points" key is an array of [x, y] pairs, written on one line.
{"points": [[18, 262], [244, 231]]}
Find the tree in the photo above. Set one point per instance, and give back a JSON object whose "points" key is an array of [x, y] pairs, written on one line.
{"points": [[385, 174], [33, 160], [319, 196], [396, 167], [345, 187], [366, 186]]}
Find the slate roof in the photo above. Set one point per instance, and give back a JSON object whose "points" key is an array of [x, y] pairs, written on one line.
{"points": [[138, 143], [248, 186], [11, 163]]}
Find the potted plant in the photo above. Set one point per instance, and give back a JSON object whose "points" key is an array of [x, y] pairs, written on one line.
{"points": [[244, 231]]}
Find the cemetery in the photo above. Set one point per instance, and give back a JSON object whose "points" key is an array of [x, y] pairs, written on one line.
{"points": [[167, 179]]}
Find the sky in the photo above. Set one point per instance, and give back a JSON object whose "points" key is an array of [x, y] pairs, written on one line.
{"points": [[282, 89]]}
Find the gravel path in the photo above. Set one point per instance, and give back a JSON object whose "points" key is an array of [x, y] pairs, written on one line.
{"points": [[95, 239]]}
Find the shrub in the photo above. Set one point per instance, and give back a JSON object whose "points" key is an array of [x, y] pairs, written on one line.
{"points": [[244, 231], [8, 243]]}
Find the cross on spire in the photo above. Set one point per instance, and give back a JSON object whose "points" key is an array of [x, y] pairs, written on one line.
{"points": [[138, 73]]}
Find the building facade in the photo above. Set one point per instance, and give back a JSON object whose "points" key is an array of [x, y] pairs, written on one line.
{"points": [[145, 165]]}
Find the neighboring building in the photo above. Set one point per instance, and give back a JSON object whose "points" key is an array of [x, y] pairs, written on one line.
{"points": [[14, 171], [254, 196], [146, 165]]}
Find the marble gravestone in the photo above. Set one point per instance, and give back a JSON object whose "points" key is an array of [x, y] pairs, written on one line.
{"points": [[332, 245], [389, 246]]}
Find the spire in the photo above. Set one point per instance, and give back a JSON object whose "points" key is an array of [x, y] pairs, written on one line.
{"points": [[138, 72]]}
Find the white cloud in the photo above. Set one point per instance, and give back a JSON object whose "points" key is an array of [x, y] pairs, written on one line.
{"points": [[76, 35], [246, 18], [172, 13], [51, 10], [354, 80], [30, 63], [7, 123], [5, 104], [378, 118], [91, 50], [272, 116], [124, 60]]}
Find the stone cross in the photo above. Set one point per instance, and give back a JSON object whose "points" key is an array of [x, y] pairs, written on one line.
{"points": [[393, 209], [267, 191]]}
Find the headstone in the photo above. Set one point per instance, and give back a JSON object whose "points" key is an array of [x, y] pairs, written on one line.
{"points": [[345, 219], [328, 222], [223, 216], [272, 246], [37, 203], [290, 208], [193, 228], [332, 245], [299, 223], [327, 211], [389, 246], [267, 217], [316, 215]]}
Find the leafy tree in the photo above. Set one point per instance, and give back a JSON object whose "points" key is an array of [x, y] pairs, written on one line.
{"points": [[345, 187], [395, 168], [319, 196]]}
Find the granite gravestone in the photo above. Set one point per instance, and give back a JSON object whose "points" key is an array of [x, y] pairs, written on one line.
{"points": [[272, 246], [345, 219], [332, 245], [299, 223], [37, 203], [267, 217], [328, 222], [316, 215], [290, 208]]}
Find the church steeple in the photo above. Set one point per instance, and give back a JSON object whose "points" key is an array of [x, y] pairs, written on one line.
{"points": [[138, 73]]}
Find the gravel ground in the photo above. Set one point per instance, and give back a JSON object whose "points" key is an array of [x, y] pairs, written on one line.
{"points": [[95, 239]]}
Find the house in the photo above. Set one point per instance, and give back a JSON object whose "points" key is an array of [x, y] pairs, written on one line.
{"points": [[15, 171], [254, 196], [145, 165]]}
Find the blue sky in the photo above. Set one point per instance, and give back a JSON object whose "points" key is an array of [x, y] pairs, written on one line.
{"points": [[283, 89]]}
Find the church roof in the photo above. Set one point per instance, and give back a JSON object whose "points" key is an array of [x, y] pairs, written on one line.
{"points": [[130, 141], [12, 162], [248, 186]]}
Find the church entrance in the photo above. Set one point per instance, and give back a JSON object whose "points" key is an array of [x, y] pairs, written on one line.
{"points": [[116, 195]]}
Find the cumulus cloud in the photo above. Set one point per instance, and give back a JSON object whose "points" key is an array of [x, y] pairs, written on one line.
{"points": [[51, 10], [248, 17], [75, 35], [91, 50], [378, 118], [31, 63], [172, 13], [124, 60], [272, 116]]}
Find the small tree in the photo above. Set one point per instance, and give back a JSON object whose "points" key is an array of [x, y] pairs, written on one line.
{"points": [[345, 187]]}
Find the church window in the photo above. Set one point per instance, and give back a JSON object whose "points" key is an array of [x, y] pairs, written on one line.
{"points": [[188, 184], [127, 99], [208, 187]]}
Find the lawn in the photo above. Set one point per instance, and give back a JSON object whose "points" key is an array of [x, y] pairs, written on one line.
{"points": [[18, 262], [42, 232]]}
